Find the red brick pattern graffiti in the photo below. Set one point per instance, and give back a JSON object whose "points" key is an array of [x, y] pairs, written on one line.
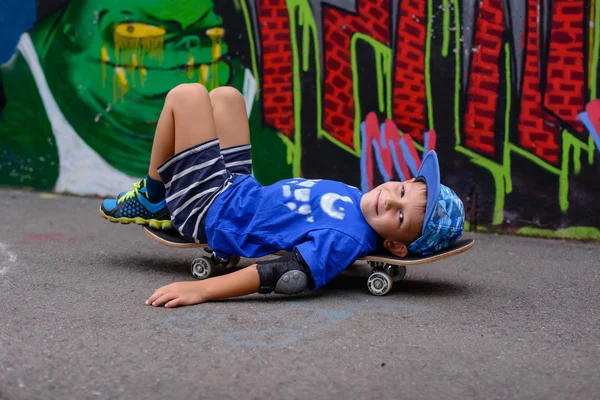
{"points": [[537, 132], [277, 84], [410, 102], [565, 74], [482, 95], [338, 27]]}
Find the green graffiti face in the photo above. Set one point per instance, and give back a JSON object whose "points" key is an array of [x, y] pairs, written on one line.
{"points": [[113, 61]]}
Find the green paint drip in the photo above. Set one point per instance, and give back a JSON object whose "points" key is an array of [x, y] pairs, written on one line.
{"points": [[304, 16], [594, 73], [569, 142], [383, 57], [388, 70], [591, 151], [306, 28], [428, 66], [446, 30], [291, 148], [380, 99], [457, 71], [596, 53], [250, 34], [563, 180], [308, 24], [577, 160], [574, 232], [506, 150]]}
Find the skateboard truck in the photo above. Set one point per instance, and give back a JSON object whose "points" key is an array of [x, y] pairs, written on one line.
{"points": [[203, 266]]}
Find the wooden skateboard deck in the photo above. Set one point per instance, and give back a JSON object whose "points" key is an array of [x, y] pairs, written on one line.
{"points": [[172, 238], [386, 267]]}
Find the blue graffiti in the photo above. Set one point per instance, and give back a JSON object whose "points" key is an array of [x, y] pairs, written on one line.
{"points": [[590, 127], [16, 17], [298, 326], [389, 147]]}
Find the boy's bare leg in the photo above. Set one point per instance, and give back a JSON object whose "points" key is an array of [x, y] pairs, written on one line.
{"points": [[185, 121], [230, 117]]}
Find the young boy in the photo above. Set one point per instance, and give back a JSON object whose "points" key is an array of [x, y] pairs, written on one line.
{"points": [[200, 182]]}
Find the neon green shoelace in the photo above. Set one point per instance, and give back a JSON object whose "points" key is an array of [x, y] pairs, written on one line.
{"points": [[132, 193]]}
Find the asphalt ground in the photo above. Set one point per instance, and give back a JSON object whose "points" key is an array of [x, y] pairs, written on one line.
{"points": [[513, 317]]}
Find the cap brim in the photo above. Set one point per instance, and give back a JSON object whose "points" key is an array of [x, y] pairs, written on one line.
{"points": [[430, 174]]}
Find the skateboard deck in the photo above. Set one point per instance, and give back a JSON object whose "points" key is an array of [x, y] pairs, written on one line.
{"points": [[386, 267]]}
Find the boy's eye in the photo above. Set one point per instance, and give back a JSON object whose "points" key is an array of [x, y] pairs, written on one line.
{"points": [[402, 191], [401, 217]]}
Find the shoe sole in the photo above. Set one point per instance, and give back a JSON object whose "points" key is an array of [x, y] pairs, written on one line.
{"points": [[153, 223]]}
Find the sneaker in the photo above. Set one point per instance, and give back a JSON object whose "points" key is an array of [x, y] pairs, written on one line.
{"points": [[134, 207]]}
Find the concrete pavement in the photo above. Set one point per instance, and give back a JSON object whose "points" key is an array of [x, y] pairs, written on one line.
{"points": [[512, 318]]}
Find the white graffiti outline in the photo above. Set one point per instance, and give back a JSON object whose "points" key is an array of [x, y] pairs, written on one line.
{"points": [[8, 256]]}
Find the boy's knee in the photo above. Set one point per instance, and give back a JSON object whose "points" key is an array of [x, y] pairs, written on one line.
{"points": [[186, 92], [226, 95], [287, 275]]}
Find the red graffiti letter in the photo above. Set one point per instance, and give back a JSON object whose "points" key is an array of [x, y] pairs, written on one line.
{"points": [[563, 95], [372, 19], [410, 100], [484, 78], [277, 83], [535, 133]]}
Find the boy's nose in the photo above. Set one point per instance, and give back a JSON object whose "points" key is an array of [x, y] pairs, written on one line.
{"points": [[392, 202]]}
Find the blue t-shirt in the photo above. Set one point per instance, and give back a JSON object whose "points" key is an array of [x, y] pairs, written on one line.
{"points": [[320, 218]]}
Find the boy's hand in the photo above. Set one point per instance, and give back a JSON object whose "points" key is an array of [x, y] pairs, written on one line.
{"points": [[178, 294]]}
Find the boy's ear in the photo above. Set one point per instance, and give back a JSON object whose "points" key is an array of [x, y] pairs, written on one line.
{"points": [[397, 248]]}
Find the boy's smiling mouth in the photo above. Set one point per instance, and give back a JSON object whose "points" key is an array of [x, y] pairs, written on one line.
{"points": [[377, 203]]}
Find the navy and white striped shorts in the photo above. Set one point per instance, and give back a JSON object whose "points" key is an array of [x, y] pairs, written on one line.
{"points": [[195, 177]]}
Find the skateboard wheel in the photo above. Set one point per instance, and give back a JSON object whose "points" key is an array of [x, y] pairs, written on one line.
{"points": [[201, 268], [379, 283]]}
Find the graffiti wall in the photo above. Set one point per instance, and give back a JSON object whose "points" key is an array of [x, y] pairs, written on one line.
{"points": [[504, 90]]}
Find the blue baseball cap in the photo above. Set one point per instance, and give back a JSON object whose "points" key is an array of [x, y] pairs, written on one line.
{"points": [[444, 214]]}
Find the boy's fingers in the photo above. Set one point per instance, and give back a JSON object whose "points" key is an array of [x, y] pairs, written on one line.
{"points": [[157, 293], [174, 303], [164, 298], [154, 296]]}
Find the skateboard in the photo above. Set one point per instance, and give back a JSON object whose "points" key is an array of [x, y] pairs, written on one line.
{"points": [[386, 268]]}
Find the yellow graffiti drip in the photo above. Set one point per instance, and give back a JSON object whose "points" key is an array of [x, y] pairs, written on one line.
{"points": [[103, 60], [134, 65], [135, 37], [190, 68], [203, 74], [134, 41], [143, 73], [216, 35], [120, 84]]}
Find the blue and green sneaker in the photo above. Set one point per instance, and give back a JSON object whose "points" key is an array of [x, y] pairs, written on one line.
{"points": [[134, 207]]}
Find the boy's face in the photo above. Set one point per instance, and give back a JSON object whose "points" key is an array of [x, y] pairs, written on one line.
{"points": [[395, 210]]}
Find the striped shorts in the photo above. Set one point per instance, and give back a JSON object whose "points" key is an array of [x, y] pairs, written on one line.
{"points": [[195, 177]]}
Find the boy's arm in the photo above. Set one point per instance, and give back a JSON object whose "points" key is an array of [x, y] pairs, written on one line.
{"points": [[238, 283]]}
